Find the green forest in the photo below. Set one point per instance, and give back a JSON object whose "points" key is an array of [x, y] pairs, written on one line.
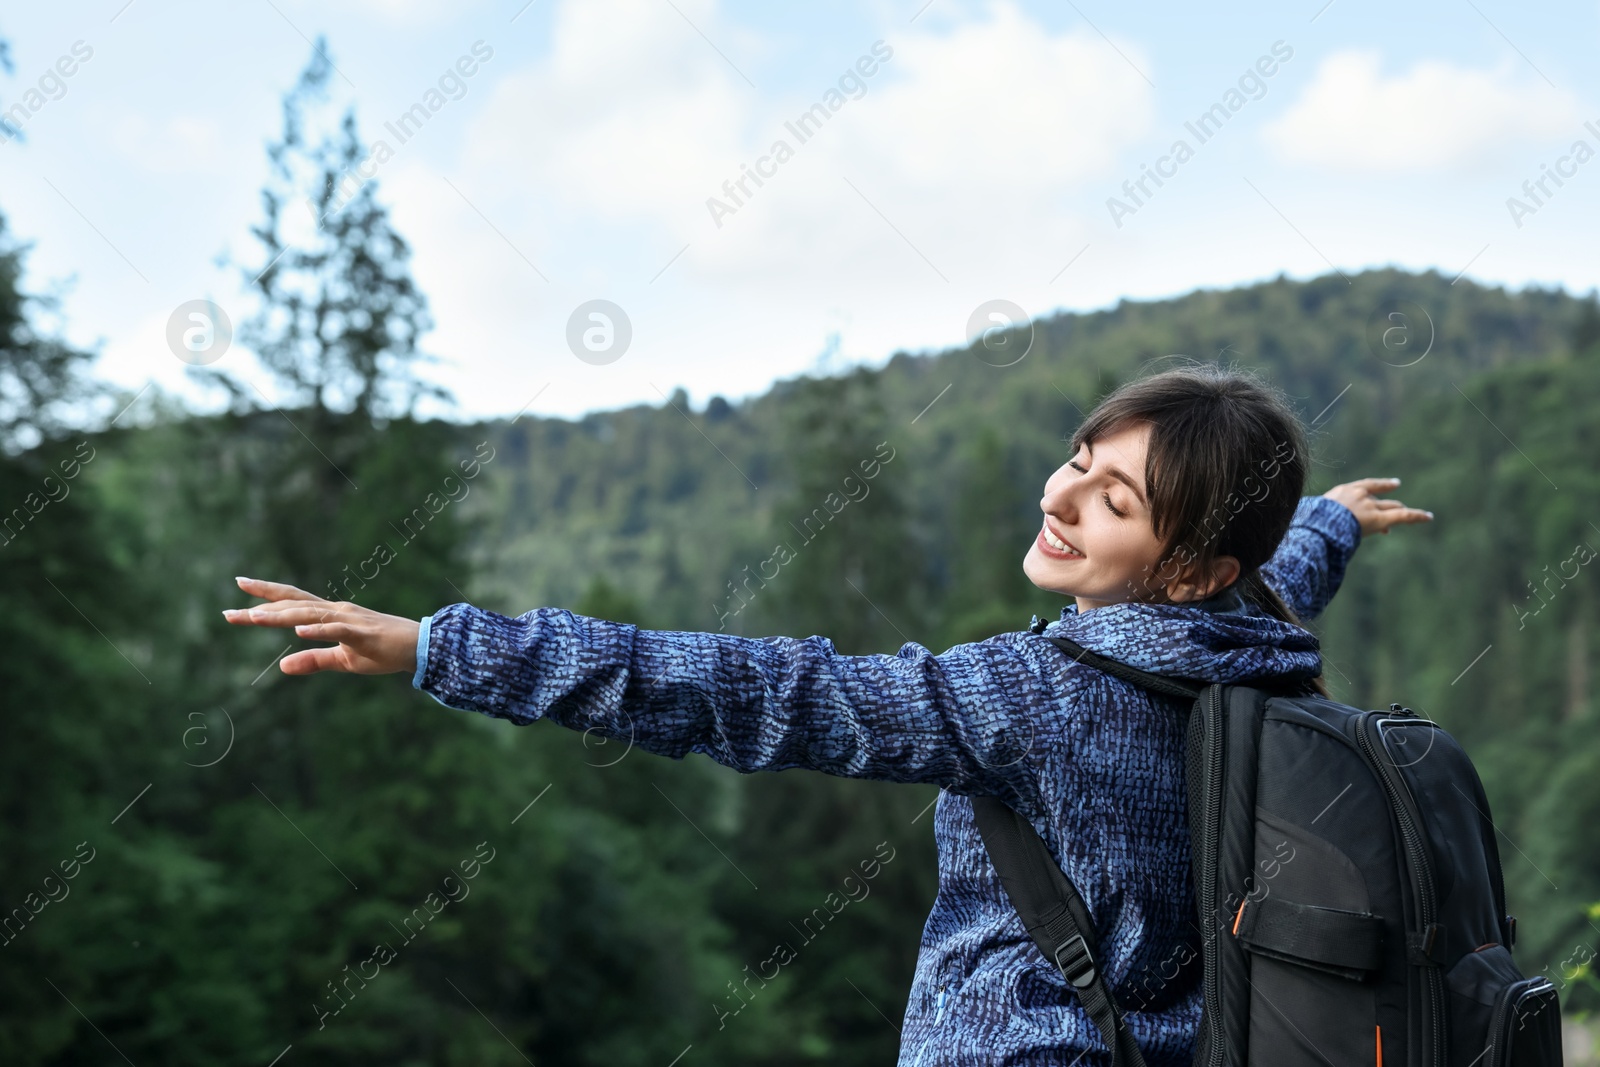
{"points": [[201, 858]]}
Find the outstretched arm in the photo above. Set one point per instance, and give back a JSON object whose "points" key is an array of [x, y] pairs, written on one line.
{"points": [[1309, 565], [965, 719]]}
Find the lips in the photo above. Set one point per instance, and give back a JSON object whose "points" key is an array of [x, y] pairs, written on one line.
{"points": [[1052, 544]]}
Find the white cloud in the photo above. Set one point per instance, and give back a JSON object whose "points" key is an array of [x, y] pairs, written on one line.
{"points": [[622, 118], [1002, 104], [1436, 115], [977, 142], [633, 115]]}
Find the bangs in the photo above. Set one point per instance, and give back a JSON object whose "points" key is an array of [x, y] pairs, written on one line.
{"points": [[1225, 464]]}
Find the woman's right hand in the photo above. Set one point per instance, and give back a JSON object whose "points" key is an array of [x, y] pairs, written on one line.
{"points": [[1375, 515]]}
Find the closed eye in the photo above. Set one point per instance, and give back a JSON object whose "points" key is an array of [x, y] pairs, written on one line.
{"points": [[1104, 496]]}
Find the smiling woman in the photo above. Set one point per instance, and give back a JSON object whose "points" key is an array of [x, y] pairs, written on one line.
{"points": [[1178, 529], [1136, 518]]}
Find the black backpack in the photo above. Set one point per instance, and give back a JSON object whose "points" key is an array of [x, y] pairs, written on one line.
{"points": [[1350, 902]]}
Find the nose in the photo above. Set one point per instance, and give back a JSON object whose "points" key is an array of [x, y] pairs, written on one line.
{"points": [[1060, 501]]}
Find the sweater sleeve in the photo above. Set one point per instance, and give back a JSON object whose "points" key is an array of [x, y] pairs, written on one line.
{"points": [[965, 719], [423, 631], [1310, 562]]}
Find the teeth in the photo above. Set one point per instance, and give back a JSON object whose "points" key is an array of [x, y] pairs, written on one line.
{"points": [[1059, 545]]}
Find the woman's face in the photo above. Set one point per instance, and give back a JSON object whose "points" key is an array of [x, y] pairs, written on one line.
{"points": [[1096, 505]]}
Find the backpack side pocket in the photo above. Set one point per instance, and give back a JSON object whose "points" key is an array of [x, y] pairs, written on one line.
{"points": [[1498, 1018], [1314, 946]]}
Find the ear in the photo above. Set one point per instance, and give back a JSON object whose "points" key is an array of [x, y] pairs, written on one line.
{"points": [[1190, 587]]}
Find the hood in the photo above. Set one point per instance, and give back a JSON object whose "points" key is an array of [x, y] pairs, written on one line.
{"points": [[1226, 638]]}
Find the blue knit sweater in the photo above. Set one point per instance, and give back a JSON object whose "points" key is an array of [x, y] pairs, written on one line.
{"points": [[1094, 763]]}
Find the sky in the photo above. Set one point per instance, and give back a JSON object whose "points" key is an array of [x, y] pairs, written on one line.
{"points": [[957, 153]]}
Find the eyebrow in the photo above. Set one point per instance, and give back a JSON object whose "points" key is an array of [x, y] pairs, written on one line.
{"points": [[1119, 475]]}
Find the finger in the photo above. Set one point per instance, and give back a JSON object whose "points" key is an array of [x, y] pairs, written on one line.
{"points": [[312, 660], [1386, 505], [284, 613], [274, 590], [1376, 485], [256, 616], [341, 632], [1407, 515]]}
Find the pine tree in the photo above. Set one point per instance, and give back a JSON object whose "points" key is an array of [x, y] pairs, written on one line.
{"points": [[40, 375], [847, 553], [340, 315], [992, 527]]}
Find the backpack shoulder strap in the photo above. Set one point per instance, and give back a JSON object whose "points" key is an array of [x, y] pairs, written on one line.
{"points": [[1178, 687], [1055, 916]]}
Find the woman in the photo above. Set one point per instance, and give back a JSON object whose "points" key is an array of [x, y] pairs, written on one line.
{"points": [[1178, 529]]}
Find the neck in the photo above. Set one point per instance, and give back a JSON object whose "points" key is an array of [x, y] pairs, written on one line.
{"points": [[1158, 596]]}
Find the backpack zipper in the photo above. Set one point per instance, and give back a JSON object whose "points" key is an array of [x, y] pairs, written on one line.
{"points": [[1213, 732], [1416, 858], [1496, 1025], [1524, 989]]}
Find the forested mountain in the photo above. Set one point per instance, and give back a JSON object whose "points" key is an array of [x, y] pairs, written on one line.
{"points": [[280, 831], [644, 496], [204, 862]]}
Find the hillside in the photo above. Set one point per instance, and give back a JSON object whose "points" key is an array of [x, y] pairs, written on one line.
{"points": [[254, 837]]}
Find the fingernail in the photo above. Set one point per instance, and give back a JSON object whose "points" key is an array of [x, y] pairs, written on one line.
{"points": [[301, 628], [1430, 514]]}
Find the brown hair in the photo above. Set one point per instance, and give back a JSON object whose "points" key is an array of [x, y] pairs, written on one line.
{"points": [[1226, 465]]}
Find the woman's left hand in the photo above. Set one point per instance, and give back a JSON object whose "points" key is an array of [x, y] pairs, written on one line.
{"points": [[1374, 514], [369, 642]]}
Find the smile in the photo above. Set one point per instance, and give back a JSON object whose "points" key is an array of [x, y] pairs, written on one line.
{"points": [[1051, 545]]}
